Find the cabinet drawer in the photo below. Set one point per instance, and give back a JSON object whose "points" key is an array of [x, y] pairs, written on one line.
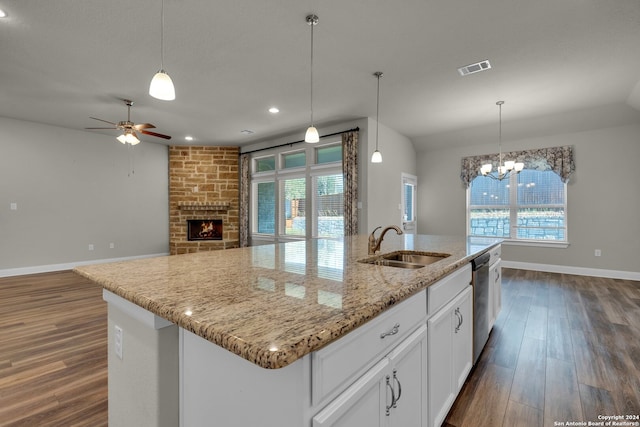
{"points": [[447, 288], [337, 365], [496, 253]]}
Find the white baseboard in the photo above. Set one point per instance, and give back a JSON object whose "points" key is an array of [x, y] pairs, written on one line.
{"points": [[67, 266], [580, 271]]}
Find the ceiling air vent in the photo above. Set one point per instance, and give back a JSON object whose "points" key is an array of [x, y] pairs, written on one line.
{"points": [[474, 68]]}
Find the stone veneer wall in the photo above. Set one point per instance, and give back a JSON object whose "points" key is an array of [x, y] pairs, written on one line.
{"points": [[203, 184]]}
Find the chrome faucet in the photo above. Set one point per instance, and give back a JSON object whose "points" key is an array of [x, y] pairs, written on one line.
{"points": [[374, 244]]}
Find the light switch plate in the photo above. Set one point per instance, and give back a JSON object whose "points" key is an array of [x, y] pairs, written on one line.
{"points": [[117, 341]]}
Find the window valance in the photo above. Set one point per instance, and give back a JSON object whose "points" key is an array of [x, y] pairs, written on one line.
{"points": [[557, 159]]}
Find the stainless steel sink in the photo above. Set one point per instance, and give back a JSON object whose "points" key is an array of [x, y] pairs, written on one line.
{"points": [[392, 263], [415, 257], [406, 259]]}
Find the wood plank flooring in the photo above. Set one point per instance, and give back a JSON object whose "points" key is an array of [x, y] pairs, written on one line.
{"points": [[53, 351], [564, 348]]}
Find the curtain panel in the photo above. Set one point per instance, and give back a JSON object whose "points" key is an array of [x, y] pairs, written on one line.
{"points": [[245, 182], [557, 159], [350, 177]]}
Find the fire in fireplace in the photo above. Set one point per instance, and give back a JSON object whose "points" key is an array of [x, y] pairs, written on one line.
{"points": [[204, 229]]}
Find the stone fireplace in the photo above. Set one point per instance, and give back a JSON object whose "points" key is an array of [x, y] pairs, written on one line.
{"points": [[203, 198]]}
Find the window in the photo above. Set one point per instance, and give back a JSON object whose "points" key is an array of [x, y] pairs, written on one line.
{"points": [[529, 206], [298, 193]]}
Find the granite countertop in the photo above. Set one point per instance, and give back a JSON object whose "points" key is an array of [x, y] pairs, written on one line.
{"points": [[273, 304]]}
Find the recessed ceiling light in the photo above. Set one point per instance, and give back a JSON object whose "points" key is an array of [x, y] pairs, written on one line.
{"points": [[188, 138], [3, 14], [274, 110], [247, 132]]}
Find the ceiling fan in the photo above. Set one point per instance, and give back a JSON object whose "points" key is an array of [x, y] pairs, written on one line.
{"points": [[129, 135]]}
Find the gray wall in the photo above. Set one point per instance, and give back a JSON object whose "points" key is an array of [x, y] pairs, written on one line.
{"points": [[385, 179], [75, 188], [603, 198]]}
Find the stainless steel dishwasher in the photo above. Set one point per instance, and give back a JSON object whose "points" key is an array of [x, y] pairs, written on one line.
{"points": [[480, 283]]}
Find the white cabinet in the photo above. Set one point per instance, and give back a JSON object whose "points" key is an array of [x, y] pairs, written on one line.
{"points": [[390, 394], [450, 354], [495, 290]]}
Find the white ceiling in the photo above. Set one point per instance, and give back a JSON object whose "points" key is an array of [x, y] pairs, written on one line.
{"points": [[558, 64]]}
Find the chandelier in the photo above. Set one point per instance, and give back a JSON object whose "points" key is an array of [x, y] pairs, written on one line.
{"points": [[509, 166]]}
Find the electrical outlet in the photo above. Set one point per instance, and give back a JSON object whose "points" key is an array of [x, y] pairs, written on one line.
{"points": [[117, 341], [90, 247], [112, 245], [14, 206], [598, 252]]}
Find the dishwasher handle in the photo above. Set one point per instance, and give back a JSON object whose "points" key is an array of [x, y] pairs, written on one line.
{"points": [[480, 261]]}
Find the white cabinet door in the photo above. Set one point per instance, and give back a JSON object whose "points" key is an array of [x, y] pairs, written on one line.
{"points": [[409, 375], [363, 403], [450, 353], [391, 394], [440, 364], [462, 338]]}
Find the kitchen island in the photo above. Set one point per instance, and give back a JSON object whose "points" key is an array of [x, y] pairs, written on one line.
{"points": [[258, 315]]}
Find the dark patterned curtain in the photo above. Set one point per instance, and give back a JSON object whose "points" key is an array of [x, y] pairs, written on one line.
{"points": [[557, 159], [350, 175], [245, 182]]}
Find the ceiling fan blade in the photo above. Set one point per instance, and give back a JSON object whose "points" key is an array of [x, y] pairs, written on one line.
{"points": [[143, 126], [159, 135], [106, 121], [102, 128]]}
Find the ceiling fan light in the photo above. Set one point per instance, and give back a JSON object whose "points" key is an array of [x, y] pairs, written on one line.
{"points": [[376, 157], [312, 135], [122, 138], [161, 87], [131, 139]]}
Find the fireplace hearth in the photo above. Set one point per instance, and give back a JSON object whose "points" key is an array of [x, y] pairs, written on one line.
{"points": [[204, 229]]}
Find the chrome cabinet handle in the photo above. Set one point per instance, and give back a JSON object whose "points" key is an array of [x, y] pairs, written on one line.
{"points": [[460, 319], [395, 378], [393, 397], [393, 331]]}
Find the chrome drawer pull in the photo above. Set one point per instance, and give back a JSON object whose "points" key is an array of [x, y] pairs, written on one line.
{"points": [[393, 331], [393, 397]]}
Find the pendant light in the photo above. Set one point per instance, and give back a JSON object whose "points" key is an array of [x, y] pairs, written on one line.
{"points": [[509, 166], [161, 86], [312, 133], [377, 155]]}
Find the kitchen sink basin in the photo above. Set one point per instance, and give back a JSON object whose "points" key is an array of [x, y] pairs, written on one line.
{"points": [[414, 257], [406, 259], [392, 263]]}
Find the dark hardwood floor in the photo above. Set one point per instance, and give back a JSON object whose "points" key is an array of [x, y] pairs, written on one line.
{"points": [[564, 348], [53, 351]]}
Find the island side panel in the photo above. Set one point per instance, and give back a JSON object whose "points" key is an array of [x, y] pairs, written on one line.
{"points": [[219, 388], [144, 383]]}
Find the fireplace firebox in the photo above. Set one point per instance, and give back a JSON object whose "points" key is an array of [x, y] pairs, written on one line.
{"points": [[204, 229]]}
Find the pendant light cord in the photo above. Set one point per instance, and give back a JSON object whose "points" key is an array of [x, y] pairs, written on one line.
{"points": [[500, 131], [378, 74], [162, 36], [312, 25]]}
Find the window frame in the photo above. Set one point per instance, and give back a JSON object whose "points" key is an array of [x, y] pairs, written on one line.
{"points": [[310, 171], [513, 207]]}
